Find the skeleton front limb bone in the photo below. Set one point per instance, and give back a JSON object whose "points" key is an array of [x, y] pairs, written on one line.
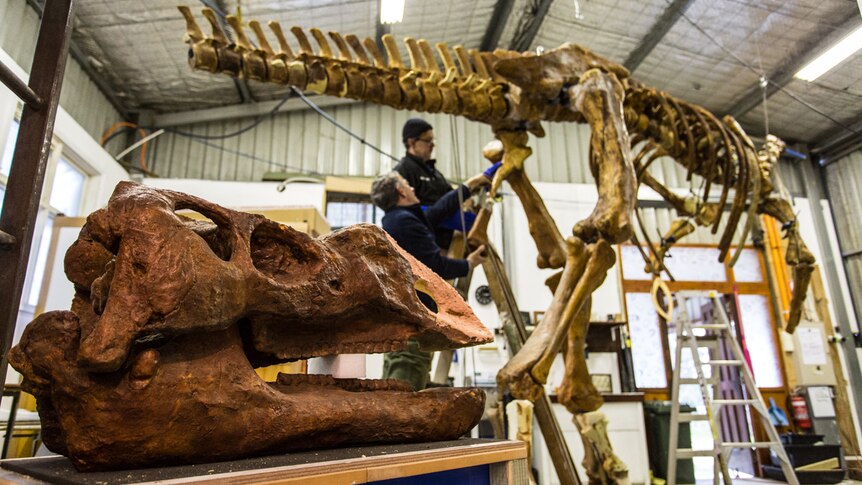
{"points": [[598, 96], [577, 392], [513, 150], [599, 259], [798, 257]]}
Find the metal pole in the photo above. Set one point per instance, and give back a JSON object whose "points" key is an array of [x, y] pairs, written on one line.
{"points": [[20, 88], [815, 191], [27, 174]]}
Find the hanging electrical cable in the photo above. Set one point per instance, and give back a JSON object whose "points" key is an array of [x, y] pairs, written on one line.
{"points": [[258, 120], [121, 127], [338, 125]]}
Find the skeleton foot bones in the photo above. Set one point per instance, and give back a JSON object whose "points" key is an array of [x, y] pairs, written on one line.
{"points": [[155, 362]]}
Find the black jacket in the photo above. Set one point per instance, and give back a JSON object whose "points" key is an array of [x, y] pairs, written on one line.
{"points": [[430, 185], [413, 230]]}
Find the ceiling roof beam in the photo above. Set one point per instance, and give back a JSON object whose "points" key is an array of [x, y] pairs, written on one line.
{"points": [[238, 111], [834, 136], [813, 45], [534, 15], [499, 18], [659, 29], [834, 143]]}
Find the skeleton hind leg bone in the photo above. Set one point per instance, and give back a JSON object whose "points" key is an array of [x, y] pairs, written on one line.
{"points": [[598, 96]]}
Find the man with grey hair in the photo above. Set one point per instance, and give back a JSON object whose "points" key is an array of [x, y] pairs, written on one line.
{"points": [[413, 230]]}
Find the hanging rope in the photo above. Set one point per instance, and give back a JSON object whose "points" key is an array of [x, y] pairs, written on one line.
{"points": [[456, 161]]}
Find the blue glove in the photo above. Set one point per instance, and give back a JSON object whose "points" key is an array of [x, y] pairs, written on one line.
{"points": [[491, 171], [454, 221]]}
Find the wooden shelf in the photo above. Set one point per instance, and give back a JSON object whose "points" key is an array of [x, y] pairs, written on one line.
{"points": [[608, 397], [503, 461], [609, 323]]}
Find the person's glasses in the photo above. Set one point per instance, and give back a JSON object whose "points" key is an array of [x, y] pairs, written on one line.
{"points": [[429, 141]]}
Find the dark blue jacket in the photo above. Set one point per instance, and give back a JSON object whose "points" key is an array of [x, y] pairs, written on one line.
{"points": [[413, 230], [430, 186]]}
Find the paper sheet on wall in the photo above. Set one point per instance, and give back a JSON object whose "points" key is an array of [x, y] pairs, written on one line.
{"points": [[811, 347], [821, 402]]}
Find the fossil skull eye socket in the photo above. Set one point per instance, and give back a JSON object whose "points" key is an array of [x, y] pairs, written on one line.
{"points": [[217, 236], [279, 250]]}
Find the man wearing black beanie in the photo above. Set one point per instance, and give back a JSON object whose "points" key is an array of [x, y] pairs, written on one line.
{"points": [[418, 168]]}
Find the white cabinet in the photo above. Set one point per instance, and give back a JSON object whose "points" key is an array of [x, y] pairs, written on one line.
{"points": [[626, 431]]}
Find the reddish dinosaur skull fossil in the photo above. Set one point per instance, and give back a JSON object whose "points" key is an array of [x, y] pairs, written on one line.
{"points": [[154, 364]]}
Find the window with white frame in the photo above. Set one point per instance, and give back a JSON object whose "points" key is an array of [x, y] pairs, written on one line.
{"points": [[696, 267], [64, 198], [62, 194], [9, 148], [6, 158]]}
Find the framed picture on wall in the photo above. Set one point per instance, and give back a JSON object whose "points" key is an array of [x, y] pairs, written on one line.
{"points": [[603, 382], [537, 317]]}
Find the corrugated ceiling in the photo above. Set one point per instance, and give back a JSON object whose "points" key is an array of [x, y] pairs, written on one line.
{"points": [[136, 47]]}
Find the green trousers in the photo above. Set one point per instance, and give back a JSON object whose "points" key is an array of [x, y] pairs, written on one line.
{"points": [[411, 365]]}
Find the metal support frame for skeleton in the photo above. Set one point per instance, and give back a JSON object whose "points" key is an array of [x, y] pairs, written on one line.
{"points": [[632, 126]]}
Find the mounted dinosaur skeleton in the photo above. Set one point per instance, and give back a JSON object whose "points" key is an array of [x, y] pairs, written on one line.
{"points": [[632, 126]]}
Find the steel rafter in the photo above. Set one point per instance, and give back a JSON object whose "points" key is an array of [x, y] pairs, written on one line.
{"points": [[529, 24], [662, 26], [499, 18]]}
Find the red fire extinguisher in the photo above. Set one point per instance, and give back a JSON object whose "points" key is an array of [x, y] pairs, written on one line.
{"points": [[800, 412]]}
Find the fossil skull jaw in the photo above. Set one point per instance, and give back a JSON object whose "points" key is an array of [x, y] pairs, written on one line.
{"points": [[196, 398]]}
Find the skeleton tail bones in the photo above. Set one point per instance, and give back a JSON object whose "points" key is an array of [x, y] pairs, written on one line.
{"points": [[514, 93]]}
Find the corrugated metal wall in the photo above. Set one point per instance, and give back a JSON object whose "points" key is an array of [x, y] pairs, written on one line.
{"points": [[844, 183], [80, 96], [303, 141]]}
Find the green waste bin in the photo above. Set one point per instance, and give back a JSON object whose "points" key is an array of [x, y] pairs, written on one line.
{"points": [[658, 440]]}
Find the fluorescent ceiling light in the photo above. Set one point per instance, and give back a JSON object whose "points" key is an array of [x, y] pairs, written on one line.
{"points": [[391, 11], [845, 48]]}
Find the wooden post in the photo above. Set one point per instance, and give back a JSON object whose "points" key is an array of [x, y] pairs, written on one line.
{"points": [[516, 334]]}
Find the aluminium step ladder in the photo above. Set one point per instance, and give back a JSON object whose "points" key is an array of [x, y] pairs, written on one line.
{"points": [[686, 337]]}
